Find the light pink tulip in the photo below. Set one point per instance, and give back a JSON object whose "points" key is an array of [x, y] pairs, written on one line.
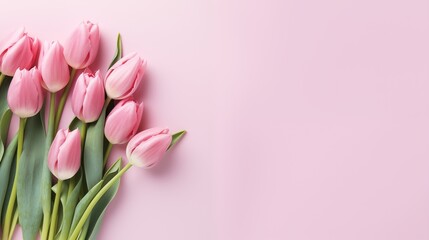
{"points": [[64, 154], [25, 94], [81, 48], [88, 96], [18, 51], [124, 76], [146, 148], [53, 67], [123, 121]]}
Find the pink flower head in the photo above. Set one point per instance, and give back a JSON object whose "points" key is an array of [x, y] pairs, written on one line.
{"points": [[18, 51], [124, 76], [64, 154], [81, 48], [147, 147], [53, 67], [123, 121], [25, 94], [88, 96]]}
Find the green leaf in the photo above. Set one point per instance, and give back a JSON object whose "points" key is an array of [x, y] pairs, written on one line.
{"points": [[3, 95], [5, 171], [118, 53], [69, 208], [4, 130], [93, 151], [83, 204], [5, 115], [175, 138], [100, 208], [75, 123], [29, 181]]}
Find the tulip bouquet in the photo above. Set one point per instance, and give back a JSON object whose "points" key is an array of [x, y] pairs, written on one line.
{"points": [[55, 181]]}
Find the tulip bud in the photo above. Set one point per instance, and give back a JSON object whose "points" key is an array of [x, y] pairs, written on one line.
{"points": [[25, 94], [81, 48], [146, 148], [123, 121], [53, 67], [64, 154], [88, 96], [18, 51], [124, 76]]}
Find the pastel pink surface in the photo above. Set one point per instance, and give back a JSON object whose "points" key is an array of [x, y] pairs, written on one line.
{"points": [[307, 119]]}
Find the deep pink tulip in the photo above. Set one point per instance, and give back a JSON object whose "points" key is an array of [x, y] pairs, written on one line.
{"points": [[25, 94], [88, 96], [124, 77], [18, 51], [146, 148], [53, 67], [81, 48], [123, 121], [64, 154]]}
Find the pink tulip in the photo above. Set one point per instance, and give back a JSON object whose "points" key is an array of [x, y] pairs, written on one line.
{"points": [[123, 121], [81, 48], [64, 154], [88, 96], [18, 51], [53, 67], [25, 94], [146, 148], [124, 76]]}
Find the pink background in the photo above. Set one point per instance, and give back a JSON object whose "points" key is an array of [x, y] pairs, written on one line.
{"points": [[307, 119]]}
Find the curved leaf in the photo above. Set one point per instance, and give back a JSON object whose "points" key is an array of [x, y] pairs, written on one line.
{"points": [[4, 130], [93, 151], [118, 53], [29, 181], [100, 208], [175, 138], [75, 123], [69, 208], [5, 170], [3, 94], [83, 204]]}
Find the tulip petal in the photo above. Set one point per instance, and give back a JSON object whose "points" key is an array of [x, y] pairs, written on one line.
{"points": [[94, 100], [54, 150], [121, 122], [149, 152], [11, 39], [17, 56], [69, 156], [144, 136]]}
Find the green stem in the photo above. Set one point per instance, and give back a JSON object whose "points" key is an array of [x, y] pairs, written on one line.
{"points": [[12, 200], [53, 226], [47, 197], [106, 103], [106, 155], [45, 226], [84, 231], [83, 134], [2, 77], [94, 201], [14, 222], [64, 99]]}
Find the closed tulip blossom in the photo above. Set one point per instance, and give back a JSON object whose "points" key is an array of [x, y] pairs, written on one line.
{"points": [[81, 48], [25, 94], [88, 96], [53, 67], [147, 147], [124, 76], [64, 154], [123, 121], [18, 51]]}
